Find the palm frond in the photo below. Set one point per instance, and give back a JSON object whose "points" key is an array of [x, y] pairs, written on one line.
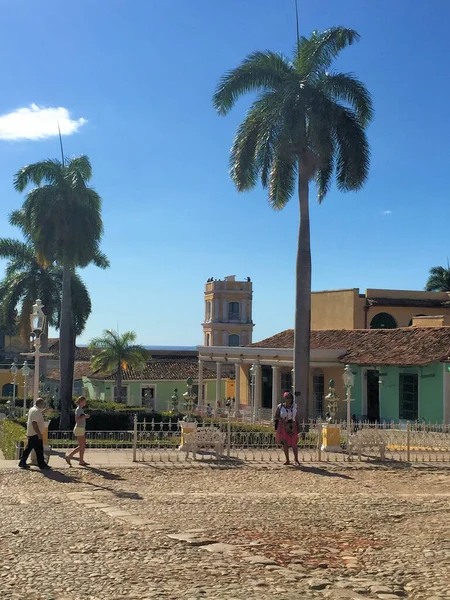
{"points": [[259, 72], [353, 154], [81, 167], [282, 182], [438, 280], [48, 171], [347, 88], [316, 53], [16, 251]]}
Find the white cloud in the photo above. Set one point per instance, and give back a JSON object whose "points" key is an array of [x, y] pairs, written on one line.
{"points": [[386, 212], [37, 123]]}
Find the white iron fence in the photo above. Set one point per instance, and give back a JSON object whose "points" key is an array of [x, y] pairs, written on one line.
{"points": [[228, 438]]}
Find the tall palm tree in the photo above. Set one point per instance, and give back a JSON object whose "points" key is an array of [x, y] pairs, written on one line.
{"points": [[62, 215], [305, 124], [26, 278], [439, 280], [117, 352]]}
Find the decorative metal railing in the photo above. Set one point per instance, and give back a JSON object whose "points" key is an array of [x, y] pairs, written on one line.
{"points": [[152, 440]]}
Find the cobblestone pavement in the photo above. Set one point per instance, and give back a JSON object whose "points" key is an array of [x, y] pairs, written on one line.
{"points": [[341, 532]]}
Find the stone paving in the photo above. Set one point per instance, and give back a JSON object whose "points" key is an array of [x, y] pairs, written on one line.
{"points": [[344, 531]]}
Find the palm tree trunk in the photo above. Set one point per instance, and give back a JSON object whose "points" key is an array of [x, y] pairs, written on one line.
{"points": [[302, 332], [118, 397], [66, 350]]}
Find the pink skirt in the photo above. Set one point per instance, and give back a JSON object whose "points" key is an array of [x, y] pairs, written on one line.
{"points": [[282, 435]]}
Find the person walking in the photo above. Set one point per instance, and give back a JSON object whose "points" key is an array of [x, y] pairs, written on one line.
{"points": [[79, 432], [286, 426], [35, 427]]}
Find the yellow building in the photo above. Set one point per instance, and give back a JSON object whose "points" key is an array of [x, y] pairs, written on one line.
{"points": [[228, 312], [376, 309]]}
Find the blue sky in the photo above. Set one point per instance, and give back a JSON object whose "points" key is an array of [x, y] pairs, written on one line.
{"points": [[142, 73]]}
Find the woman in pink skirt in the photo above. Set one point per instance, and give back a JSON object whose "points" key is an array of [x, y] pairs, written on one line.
{"points": [[286, 426]]}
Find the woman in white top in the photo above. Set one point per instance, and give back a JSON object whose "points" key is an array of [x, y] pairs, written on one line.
{"points": [[79, 432], [286, 426]]}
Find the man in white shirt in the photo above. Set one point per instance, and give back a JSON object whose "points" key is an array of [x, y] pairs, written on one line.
{"points": [[35, 426]]}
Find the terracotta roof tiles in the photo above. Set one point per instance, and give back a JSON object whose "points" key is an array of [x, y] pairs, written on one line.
{"points": [[403, 346], [166, 370]]}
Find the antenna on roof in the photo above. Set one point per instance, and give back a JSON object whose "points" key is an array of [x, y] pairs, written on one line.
{"points": [[61, 144]]}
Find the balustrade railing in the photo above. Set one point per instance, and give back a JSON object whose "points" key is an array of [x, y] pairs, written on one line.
{"points": [[152, 440]]}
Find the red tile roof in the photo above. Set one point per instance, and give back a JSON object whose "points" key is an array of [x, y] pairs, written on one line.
{"points": [[81, 369], [166, 370], [403, 346]]}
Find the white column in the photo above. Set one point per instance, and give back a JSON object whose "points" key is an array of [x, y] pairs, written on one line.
{"points": [[225, 310], [243, 311], [218, 382], [200, 383], [275, 388], [224, 338], [216, 338], [237, 385], [257, 384]]}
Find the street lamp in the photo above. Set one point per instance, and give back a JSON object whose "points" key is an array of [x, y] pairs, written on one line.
{"points": [[14, 370], [349, 380], [37, 321], [26, 372]]}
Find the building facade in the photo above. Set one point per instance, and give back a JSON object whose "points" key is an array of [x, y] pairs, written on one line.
{"points": [[228, 312], [376, 309], [400, 374]]}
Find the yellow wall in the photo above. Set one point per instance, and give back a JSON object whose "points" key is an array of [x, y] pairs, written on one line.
{"points": [[404, 314], [6, 377], [334, 309], [346, 309], [244, 381], [230, 388]]}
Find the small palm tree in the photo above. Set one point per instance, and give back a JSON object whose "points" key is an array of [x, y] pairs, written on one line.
{"points": [[439, 280], [62, 216], [306, 124], [116, 352]]}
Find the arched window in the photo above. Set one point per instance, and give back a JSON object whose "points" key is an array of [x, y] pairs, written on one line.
{"points": [[383, 321], [233, 340], [411, 322], [208, 339], [233, 311]]}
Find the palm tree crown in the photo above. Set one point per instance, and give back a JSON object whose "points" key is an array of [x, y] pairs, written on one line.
{"points": [[62, 213], [438, 280], [302, 112], [307, 123], [116, 352], [26, 279]]}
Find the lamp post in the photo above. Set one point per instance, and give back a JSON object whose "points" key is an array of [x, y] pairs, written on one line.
{"points": [[348, 380], [26, 372], [14, 370], [37, 320]]}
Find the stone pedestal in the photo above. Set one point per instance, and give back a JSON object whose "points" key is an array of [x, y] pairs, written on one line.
{"points": [[331, 437], [186, 427]]}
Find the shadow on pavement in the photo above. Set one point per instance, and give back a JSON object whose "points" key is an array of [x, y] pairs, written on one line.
{"points": [[60, 476], [322, 472]]}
